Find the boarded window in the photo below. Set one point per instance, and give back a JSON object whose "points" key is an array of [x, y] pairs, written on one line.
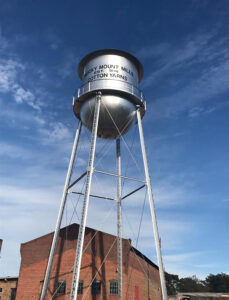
{"points": [[13, 294], [113, 287], [96, 287], [61, 287], [80, 287]]}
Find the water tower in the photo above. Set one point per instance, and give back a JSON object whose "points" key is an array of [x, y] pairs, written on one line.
{"points": [[108, 103]]}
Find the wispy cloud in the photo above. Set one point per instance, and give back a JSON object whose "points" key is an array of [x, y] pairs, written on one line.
{"points": [[182, 257], [154, 51], [9, 70], [22, 195], [188, 264], [202, 59], [13, 151], [3, 41], [53, 39], [68, 66], [195, 111], [9, 83], [11, 114], [21, 80], [170, 58], [56, 132], [166, 194], [22, 208]]}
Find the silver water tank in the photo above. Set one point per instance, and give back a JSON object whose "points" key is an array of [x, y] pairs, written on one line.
{"points": [[116, 74]]}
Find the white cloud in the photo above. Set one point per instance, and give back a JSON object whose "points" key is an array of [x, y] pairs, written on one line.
{"points": [[182, 257], [68, 66], [14, 78], [56, 132], [153, 51], [3, 41], [26, 213], [166, 194], [195, 112], [10, 113], [25, 195], [188, 264], [203, 59], [53, 39], [210, 84], [9, 72], [13, 151], [22, 95], [170, 57]]}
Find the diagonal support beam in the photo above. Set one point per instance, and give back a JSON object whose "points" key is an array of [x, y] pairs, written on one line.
{"points": [[134, 191], [77, 180]]}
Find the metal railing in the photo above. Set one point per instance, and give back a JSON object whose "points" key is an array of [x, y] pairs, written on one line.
{"points": [[110, 84]]}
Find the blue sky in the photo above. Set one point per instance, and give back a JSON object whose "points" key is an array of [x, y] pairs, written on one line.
{"points": [[183, 46]]}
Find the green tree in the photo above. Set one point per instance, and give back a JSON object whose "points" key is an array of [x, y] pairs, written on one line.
{"points": [[171, 283], [218, 283], [192, 284]]}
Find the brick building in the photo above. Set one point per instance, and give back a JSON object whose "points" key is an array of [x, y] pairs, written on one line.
{"points": [[8, 286], [97, 281]]}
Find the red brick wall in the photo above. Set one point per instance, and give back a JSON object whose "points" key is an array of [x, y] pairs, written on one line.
{"points": [[34, 256]]}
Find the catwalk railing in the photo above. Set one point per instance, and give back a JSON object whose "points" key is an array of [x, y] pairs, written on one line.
{"points": [[102, 84]]}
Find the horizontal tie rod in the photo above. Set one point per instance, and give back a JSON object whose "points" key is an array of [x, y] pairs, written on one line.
{"points": [[116, 175], [94, 196], [112, 199]]}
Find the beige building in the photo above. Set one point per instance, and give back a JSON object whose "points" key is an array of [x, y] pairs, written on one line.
{"points": [[8, 287], [200, 296]]}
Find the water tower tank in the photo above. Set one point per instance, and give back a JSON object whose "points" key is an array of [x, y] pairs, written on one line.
{"points": [[116, 74]]}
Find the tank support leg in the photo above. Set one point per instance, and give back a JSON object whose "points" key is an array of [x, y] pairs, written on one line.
{"points": [[152, 208], [60, 215], [119, 218], [80, 241]]}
